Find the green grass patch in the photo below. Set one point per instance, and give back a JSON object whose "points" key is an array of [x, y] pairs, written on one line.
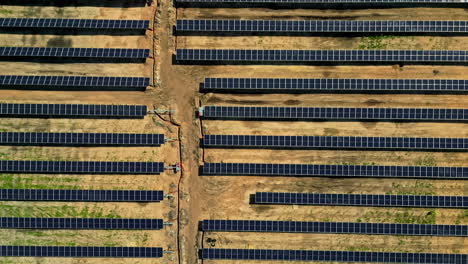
{"points": [[358, 248], [357, 164], [427, 160], [404, 217], [12, 181], [33, 242], [56, 211], [462, 219], [4, 11], [418, 188], [375, 42]]}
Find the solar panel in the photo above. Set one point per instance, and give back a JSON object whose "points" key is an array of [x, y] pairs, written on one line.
{"points": [[336, 143], [80, 139], [350, 171], [223, 56], [73, 52], [88, 167], [72, 111], [80, 223], [81, 252], [321, 26], [270, 85], [334, 228], [73, 23], [362, 200], [332, 113], [338, 256], [81, 195], [75, 81]]}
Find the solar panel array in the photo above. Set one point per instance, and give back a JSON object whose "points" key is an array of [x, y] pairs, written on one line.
{"points": [[361, 200], [277, 56], [73, 110], [80, 223], [98, 139], [334, 227], [73, 23], [334, 113], [256, 169], [339, 85], [81, 252], [88, 167], [333, 142], [338, 256], [80, 195], [74, 81], [74, 52], [318, 26]]}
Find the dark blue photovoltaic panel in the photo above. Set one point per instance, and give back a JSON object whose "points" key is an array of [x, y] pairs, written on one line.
{"points": [[336, 56], [319, 26], [335, 256], [335, 85], [73, 52], [80, 223], [72, 111], [337, 143], [81, 252], [304, 170], [81, 195], [334, 228], [73, 23], [88, 167], [81, 81], [362, 200], [93, 139], [333, 113]]}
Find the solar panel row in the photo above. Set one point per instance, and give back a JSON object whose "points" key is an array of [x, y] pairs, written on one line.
{"points": [[334, 227], [73, 110], [339, 85], [98, 139], [338, 256], [256, 169], [361, 200], [318, 26], [80, 195], [333, 113], [81, 252], [332, 142], [303, 56], [88, 167], [73, 52], [80, 223], [74, 81], [73, 23]]}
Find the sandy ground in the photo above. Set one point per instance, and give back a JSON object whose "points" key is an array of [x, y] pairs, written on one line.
{"points": [[226, 197]]}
